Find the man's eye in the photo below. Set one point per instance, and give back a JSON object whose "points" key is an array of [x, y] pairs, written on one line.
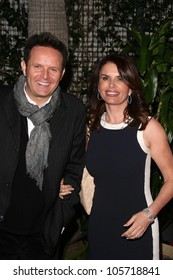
{"points": [[53, 70], [37, 66]]}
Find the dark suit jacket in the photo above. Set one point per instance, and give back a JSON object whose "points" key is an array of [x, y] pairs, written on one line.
{"points": [[65, 160]]}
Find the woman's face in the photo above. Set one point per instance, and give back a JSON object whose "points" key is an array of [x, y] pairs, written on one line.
{"points": [[111, 87]]}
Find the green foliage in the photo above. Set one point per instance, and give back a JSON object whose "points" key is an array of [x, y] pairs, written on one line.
{"points": [[154, 59], [12, 17], [106, 23]]}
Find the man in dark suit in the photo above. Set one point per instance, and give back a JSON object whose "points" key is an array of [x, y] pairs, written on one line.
{"points": [[42, 145]]}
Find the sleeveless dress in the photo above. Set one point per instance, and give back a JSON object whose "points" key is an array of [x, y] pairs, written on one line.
{"points": [[120, 164]]}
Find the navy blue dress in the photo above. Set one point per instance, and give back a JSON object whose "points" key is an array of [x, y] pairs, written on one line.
{"points": [[121, 171]]}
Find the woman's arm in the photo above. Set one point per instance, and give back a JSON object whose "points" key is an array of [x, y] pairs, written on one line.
{"points": [[156, 140], [65, 190]]}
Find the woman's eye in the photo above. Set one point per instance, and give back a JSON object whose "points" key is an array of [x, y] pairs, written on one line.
{"points": [[119, 79], [105, 78]]}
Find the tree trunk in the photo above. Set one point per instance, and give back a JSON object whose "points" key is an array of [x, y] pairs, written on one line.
{"points": [[44, 15]]}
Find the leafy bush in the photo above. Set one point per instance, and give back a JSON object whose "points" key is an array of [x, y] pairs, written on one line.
{"points": [[13, 34]]}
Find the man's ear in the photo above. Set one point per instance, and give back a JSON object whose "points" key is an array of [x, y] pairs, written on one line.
{"points": [[23, 66], [62, 74]]}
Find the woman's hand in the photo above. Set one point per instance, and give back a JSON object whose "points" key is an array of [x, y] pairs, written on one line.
{"points": [[138, 224], [65, 189]]}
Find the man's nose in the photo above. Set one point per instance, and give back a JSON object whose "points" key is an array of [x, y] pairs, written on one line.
{"points": [[45, 74]]}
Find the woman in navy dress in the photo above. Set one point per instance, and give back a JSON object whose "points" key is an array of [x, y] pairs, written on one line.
{"points": [[123, 223], [123, 139]]}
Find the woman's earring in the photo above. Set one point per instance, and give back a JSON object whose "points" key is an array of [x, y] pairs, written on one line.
{"points": [[99, 96], [129, 99]]}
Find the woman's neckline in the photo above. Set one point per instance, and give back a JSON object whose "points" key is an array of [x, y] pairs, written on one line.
{"points": [[111, 126]]}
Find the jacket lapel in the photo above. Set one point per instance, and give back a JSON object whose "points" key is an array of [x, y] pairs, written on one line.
{"points": [[57, 121]]}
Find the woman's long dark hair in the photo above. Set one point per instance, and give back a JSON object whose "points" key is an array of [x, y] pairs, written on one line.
{"points": [[137, 110]]}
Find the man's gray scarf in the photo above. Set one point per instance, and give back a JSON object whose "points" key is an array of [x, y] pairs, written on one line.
{"points": [[38, 145]]}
